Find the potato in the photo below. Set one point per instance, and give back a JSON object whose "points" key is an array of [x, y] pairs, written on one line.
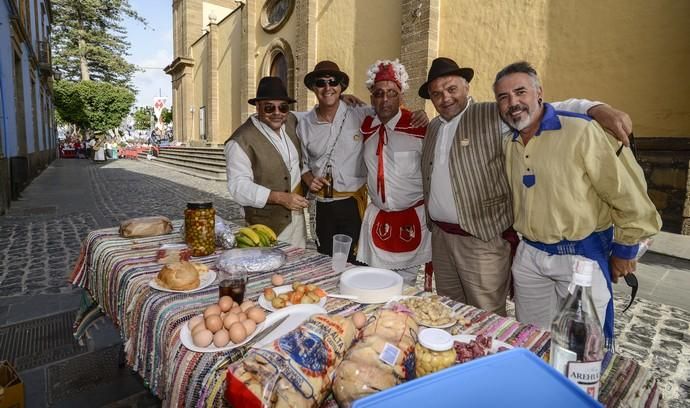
{"points": [[269, 294], [278, 302]]}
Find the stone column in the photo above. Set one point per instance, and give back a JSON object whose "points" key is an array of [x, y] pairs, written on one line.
{"points": [[212, 98], [248, 67], [419, 38], [304, 52], [686, 206]]}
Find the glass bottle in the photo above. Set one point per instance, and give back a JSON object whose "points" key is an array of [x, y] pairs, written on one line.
{"points": [[328, 189], [577, 340]]}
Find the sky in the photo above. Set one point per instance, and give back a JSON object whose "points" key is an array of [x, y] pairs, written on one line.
{"points": [[151, 48]]}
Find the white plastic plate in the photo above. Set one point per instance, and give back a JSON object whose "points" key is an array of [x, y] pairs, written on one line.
{"points": [[296, 315], [206, 280], [371, 285], [266, 304], [186, 337]]}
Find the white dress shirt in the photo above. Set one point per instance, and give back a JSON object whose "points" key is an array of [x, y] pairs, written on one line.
{"points": [[338, 143]]}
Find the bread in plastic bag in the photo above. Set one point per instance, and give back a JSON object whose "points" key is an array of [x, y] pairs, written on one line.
{"points": [[295, 370], [145, 227], [382, 358]]}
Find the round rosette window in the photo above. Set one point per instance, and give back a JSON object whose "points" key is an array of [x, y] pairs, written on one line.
{"points": [[275, 14]]}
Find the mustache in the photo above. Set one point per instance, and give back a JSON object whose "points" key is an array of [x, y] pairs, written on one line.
{"points": [[517, 108]]}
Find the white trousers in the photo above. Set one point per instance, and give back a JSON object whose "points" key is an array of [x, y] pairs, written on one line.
{"points": [[541, 285], [295, 233]]}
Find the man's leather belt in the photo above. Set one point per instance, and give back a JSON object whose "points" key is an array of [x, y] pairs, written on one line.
{"points": [[451, 228]]}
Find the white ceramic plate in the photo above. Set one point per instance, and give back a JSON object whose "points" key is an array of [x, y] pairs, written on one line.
{"points": [[371, 285], [440, 326], [206, 280], [186, 337], [296, 315], [266, 304], [495, 344]]}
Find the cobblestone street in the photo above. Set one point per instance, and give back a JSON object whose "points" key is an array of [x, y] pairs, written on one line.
{"points": [[42, 233]]}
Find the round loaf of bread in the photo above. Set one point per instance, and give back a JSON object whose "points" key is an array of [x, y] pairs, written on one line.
{"points": [[179, 276]]}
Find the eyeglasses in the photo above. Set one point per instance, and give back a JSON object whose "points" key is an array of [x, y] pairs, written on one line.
{"points": [[380, 93], [321, 83], [270, 108]]}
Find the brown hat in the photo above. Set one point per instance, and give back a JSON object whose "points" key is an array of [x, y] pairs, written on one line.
{"points": [[271, 89], [326, 68], [441, 67]]}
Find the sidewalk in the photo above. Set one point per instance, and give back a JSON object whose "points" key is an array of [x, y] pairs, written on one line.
{"points": [[42, 233]]}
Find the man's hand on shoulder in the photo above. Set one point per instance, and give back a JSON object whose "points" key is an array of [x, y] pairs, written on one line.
{"points": [[615, 121], [291, 201], [419, 119], [351, 100]]}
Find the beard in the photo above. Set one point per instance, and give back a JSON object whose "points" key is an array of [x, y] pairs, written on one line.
{"points": [[522, 121]]}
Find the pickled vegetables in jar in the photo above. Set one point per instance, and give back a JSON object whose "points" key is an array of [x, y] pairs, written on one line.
{"points": [[433, 352], [199, 228]]}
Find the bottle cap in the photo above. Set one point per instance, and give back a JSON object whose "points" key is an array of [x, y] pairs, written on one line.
{"points": [[583, 272], [199, 205], [436, 339]]}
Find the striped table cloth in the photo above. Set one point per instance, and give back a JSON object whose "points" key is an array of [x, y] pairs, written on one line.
{"points": [[116, 272]]}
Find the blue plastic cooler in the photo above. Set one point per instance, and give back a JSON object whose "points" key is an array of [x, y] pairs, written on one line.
{"points": [[513, 378]]}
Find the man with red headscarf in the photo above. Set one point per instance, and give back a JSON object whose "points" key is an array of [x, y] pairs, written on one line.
{"points": [[394, 233]]}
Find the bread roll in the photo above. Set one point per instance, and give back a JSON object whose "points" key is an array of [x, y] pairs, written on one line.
{"points": [[180, 275]]}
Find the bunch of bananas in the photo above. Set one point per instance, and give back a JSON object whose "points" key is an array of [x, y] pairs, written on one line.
{"points": [[257, 235]]}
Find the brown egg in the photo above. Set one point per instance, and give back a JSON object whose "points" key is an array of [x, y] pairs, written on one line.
{"points": [[237, 333], [236, 310], [230, 318], [221, 338], [194, 321], [242, 316], [199, 327], [359, 319], [247, 304], [203, 338], [249, 326], [277, 279], [256, 314], [212, 310], [214, 323], [225, 303]]}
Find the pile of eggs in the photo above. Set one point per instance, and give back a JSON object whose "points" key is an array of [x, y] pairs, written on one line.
{"points": [[225, 322]]}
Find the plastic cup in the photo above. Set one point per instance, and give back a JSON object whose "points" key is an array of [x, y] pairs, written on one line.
{"points": [[341, 250]]}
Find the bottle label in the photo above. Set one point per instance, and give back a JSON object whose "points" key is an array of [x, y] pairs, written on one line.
{"points": [[560, 357], [586, 375]]}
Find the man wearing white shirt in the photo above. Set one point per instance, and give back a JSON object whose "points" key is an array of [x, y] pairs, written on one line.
{"points": [[263, 159], [466, 188], [394, 232]]}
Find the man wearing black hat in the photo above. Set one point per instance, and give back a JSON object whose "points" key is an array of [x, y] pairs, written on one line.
{"points": [[471, 222], [263, 159]]}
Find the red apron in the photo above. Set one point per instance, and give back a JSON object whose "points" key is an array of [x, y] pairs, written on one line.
{"points": [[397, 231]]}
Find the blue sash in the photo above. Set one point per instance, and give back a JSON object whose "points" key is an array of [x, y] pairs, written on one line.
{"points": [[597, 247]]}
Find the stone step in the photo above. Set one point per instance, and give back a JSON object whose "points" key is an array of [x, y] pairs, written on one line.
{"points": [[210, 150], [205, 156], [217, 163], [194, 169]]}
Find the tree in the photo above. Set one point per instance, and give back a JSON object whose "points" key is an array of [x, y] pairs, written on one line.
{"points": [[142, 118], [89, 40], [167, 116], [92, 105]]}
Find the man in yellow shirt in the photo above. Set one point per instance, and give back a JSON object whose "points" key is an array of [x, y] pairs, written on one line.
{"points": [[575, 193]]}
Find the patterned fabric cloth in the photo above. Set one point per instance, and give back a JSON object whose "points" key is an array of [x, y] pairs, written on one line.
{"points": [[116, 272]]}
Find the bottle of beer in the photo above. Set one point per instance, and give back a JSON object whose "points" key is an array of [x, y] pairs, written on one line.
{"points": [[328, 189], [576, 336]]}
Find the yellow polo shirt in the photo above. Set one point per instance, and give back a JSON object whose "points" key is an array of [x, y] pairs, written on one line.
{"points": [[579, 184]]}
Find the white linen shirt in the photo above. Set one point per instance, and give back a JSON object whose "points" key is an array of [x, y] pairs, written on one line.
{"points": [[402, 155], [441, 203], [241, 184], [318, 137]]}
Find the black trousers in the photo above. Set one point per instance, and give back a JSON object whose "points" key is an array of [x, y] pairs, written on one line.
{"points": [[337, 217]]}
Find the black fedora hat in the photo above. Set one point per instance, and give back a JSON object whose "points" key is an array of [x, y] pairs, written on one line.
{"points": [[444, 67], [271, 89], [326, 68]]}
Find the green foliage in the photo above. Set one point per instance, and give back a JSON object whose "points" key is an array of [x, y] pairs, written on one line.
{"points": [[142, 118], [89, 40], [167, 116], [92, 105]]}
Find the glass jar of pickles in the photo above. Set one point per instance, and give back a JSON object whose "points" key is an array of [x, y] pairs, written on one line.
{"points": [[199, 228], [434, 351]]}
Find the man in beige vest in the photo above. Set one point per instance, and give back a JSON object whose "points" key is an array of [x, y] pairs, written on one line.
{"points": [[263, 159], [469, 209]]}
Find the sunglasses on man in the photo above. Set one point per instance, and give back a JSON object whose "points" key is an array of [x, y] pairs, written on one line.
{"points": [[322, 82], [380, 93], [270, 108]]}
